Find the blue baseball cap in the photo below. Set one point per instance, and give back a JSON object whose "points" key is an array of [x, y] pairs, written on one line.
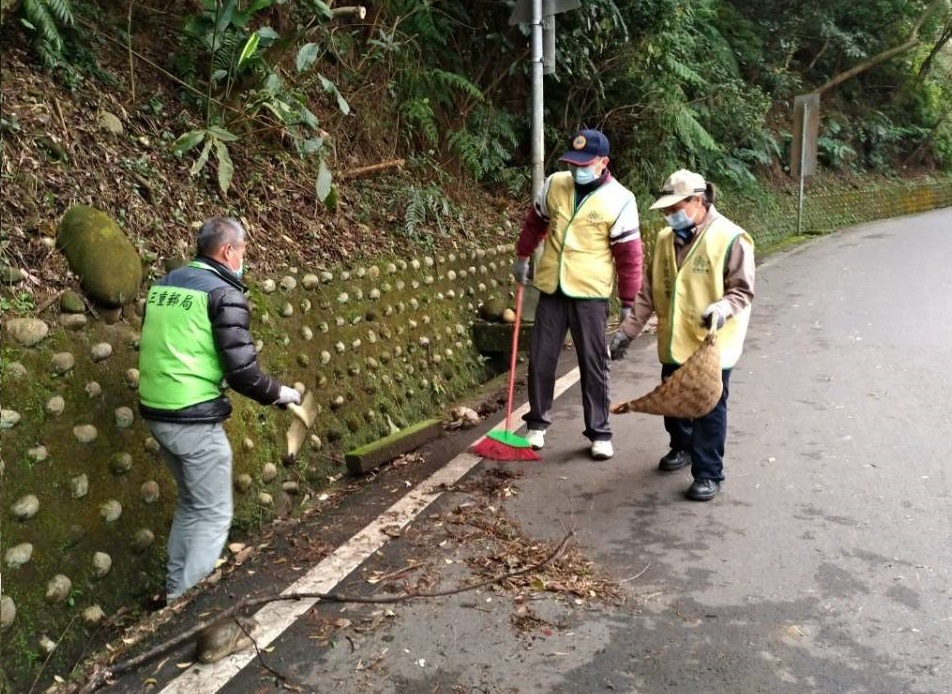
{"points": [[587, 145]]}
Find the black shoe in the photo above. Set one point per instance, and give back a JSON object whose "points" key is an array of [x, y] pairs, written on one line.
{"points": [[674, 460], [703, 490]]}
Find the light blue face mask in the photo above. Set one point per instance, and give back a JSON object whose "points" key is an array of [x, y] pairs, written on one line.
{"points": [[679, 220], [584, 174], [241, 269]]}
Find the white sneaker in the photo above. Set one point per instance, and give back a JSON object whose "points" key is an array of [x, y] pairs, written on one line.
{"points": [[536, 438], [602, 450]]}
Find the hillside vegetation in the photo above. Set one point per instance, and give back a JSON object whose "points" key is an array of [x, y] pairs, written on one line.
{"points": [[163, 113]]}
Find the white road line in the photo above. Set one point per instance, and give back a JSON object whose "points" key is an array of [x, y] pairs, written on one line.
{"points": [[274, 618]]}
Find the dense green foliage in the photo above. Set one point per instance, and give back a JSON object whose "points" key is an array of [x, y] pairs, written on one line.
{"points": [[707, 84]]}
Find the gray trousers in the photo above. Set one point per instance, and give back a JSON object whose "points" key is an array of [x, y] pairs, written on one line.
{"points": [[587, 320], [199, 457]]}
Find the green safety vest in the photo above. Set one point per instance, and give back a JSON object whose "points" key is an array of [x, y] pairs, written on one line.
{"points": [[178, 362]]}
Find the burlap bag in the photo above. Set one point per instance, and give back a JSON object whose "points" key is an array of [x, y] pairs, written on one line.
{"points": [[690, 392]]}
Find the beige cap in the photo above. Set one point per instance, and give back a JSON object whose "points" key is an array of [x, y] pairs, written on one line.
{"points": [[680, 185]]}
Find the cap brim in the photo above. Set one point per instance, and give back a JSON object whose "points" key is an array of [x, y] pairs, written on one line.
{"points": [[578, 158], [667, 201]]}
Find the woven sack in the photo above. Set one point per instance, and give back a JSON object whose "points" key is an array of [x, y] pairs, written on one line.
{"points": [[690, 392]]}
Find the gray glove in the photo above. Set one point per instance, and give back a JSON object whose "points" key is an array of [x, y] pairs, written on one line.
{"points": [[619, 345], [713, 316], [520, 270], [287, 397]]}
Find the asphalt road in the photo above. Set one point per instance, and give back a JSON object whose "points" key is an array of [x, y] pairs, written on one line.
{"points": [[825, 564]]}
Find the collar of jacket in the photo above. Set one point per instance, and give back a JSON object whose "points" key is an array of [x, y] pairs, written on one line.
{"points": [[223, 271], [582, 190]]}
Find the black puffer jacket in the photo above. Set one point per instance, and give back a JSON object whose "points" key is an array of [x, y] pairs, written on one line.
{"points": [[230, 322]]}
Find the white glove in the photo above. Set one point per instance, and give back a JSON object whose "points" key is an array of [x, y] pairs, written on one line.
{"points": [[713, 316], [288, 396], [520, 270]]}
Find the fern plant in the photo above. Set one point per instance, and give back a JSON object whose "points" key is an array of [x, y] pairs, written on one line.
{"points": [[45, 19]]}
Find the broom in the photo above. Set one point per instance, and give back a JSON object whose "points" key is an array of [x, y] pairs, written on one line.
{"points": [[503, 444]]}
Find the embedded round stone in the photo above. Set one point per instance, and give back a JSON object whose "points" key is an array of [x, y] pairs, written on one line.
{"points": [[73, 321], [343, 298], [38, 454], [316, 442], [27, 331], [243, 482], [85, 433], [63, 362], [72, 302], [374, 294], [9, 419], [124, 417], [132, 378], [110, 510], [100, 351], [305, 305], [57, 590], [150, 491], [327, 277], [8, 612], [268, 286], [306, 333], [373, 272], [55, 405], [248, 444], [142, 540], [46, 644], [79, 486], [93, 389], [19, 555], [265, 499], [310, 280], [102, 564], [269, 472], [14, 370], [25, 507], [288, 283], [287, 310], [120, 463], [291, 487], [93, 615], [151, 445]]}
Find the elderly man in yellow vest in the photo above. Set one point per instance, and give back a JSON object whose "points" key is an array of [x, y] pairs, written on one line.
{"points": [[702, 275], [589, 225]]}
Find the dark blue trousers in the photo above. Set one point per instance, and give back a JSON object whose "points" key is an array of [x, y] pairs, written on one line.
{"points": [[704, 437], [587, 320]]}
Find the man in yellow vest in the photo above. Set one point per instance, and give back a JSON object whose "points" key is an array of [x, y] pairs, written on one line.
{"points": [[702, 276], [588, 223]]}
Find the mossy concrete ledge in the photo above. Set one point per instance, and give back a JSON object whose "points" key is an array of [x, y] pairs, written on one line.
{"points": [[364, 459], [492, 338]]}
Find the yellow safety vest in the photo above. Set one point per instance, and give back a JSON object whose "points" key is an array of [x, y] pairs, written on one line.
{"points": [[680, 295], [577, 253]]}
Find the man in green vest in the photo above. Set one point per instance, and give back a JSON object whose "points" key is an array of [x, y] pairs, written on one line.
{"points": [[702, 276], [195, 339], [588, 225]]}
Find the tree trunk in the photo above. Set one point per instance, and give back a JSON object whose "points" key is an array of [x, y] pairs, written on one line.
{"points": [[889, 53]]}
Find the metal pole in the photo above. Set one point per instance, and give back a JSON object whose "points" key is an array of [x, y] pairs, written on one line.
{"points": [[537, 141], [803, 159]]}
